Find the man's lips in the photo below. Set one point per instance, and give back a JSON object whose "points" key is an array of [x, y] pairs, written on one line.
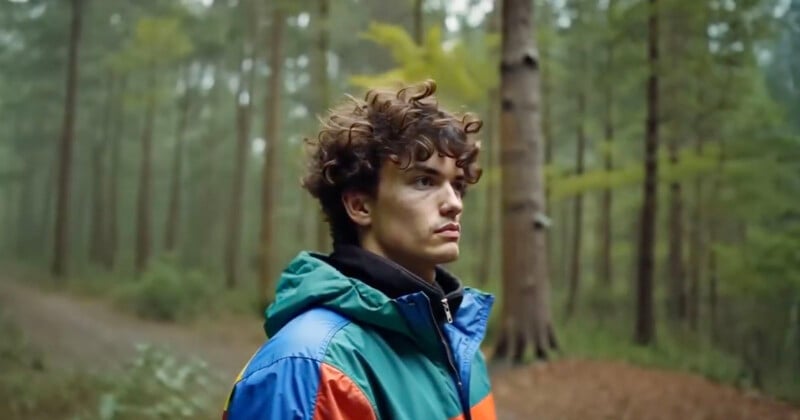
{"points": [[452, 230]]}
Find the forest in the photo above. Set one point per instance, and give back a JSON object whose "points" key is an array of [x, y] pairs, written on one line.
{"points": [[151, 155]]}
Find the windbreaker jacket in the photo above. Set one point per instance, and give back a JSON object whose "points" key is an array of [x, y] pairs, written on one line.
{"points": [[340, 348]]}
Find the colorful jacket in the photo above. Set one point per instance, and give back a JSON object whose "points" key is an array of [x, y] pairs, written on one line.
{"points": [[357, 346]]}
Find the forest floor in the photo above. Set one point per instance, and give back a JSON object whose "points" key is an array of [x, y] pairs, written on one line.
{"points": [[82, 333]]}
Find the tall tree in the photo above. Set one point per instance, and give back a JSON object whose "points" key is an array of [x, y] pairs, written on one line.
{"points": [[604, 261], [172, 223], [244, 110], [323, 97], [115, 160], [145, 189], [98, 236], [526, 319], [577, 232], [645, 319], [59, 266], [270, 181]]}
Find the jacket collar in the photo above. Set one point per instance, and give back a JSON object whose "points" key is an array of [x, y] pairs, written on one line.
{"points": [[395, 281]]}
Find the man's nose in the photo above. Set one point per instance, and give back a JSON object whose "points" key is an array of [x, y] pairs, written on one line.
{"points": [[451, 205]]}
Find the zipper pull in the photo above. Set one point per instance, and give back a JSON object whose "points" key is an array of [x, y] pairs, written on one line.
{"points": [[447, 313]]}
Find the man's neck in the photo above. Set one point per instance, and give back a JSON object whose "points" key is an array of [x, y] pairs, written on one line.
{"points": [[426, 273]]}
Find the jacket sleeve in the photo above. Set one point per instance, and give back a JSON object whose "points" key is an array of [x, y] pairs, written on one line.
{"points": [[297, 388]]}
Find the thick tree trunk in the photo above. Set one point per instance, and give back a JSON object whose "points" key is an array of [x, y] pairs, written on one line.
{"points": [[526, 319], [270, 181], [577, 232], [645, 317], [61, 236], [173, 222], [143, 202], [323, 238]]}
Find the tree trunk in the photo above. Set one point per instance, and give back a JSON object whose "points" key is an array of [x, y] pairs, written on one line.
{"points": [[577, 232], [174, 210], [61, 236], [605, 262], [484, 267], [323, 239], [24, 212], [97, 238], [419, 22], [97, 235], [526, 319], [696, 253], [270, 180], [677, 272], [713, 232], [244, 112], [143, 203], [645, 319], [112, 242]]}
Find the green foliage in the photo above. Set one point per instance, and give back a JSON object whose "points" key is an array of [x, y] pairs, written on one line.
{"points": [[154, 385], [167, 293], [463, 73]]}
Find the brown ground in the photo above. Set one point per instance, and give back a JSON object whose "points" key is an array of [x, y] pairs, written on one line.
{"points": [[86, 334]]}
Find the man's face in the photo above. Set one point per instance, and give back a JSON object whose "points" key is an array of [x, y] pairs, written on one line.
{"points": [[415, 215]]}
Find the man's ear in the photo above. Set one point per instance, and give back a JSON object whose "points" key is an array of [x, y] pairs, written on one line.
{"points": [[358, 206]]}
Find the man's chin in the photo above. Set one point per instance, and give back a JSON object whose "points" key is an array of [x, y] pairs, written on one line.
{"points": [[446, 254]]}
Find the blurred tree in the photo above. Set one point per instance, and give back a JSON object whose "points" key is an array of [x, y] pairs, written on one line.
{"points": [[244, 110], [59, 267], [270, 182], [645, 320]]}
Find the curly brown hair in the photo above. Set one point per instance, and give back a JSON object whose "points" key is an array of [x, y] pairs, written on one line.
{"points": [[358, 137]]}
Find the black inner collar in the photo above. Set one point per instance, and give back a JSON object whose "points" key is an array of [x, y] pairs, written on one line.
{"points": [[393, 280]]}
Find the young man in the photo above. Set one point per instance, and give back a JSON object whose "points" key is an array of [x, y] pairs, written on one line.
{"points": [[376, 329]]}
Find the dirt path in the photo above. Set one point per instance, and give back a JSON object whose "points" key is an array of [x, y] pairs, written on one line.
{"points": [[86, 334]]}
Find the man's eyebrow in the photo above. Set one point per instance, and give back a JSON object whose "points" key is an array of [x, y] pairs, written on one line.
{"points": [[421, 167]]}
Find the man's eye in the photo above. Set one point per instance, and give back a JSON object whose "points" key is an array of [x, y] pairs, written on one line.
{"points": [[423, 182], [460, 188]]}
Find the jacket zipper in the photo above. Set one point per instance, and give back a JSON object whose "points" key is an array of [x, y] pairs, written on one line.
{"points": [[449, 355]]}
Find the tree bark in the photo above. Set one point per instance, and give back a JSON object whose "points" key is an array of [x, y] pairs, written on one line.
{"points": [[645, 318], [61, 236], [143, 202], [244, 112], [577, 232], [173, 222], [323, 238], [526, 319], [270, 180]]}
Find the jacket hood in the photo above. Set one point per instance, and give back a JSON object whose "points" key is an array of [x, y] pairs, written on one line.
{"points": [[370, 290], [310, 282]]}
